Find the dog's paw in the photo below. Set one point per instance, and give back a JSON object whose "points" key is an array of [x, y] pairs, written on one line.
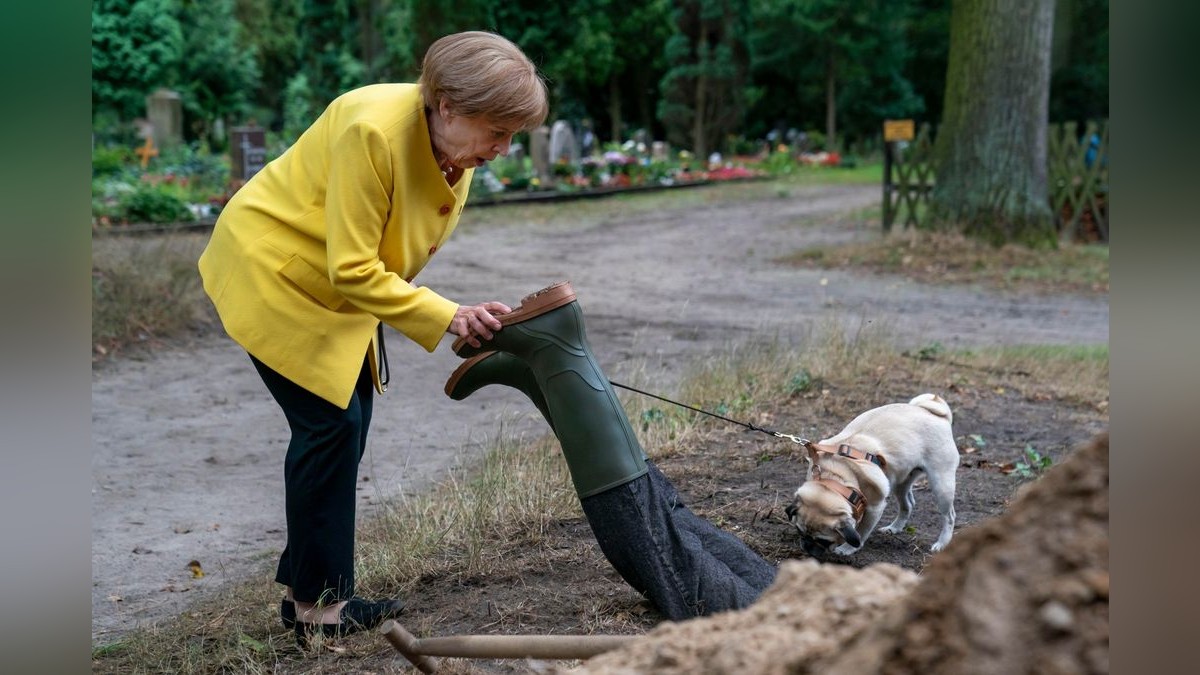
{"points": [[888, 529], [937, 546], [844, 549]]}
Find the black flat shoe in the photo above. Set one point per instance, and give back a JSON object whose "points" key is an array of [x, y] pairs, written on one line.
{"points": [[287, 613], [357, 615]]}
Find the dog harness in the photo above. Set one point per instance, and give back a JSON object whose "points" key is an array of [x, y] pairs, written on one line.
{"points": [[858, 503], [844, 450]]}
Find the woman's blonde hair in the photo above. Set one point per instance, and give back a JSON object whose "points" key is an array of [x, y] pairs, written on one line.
{"points": [[481, 74]]}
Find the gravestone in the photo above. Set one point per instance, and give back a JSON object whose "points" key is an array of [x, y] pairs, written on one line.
{"points": [[563, 148], [164, 110], [658, 151], [247, 152], [516, 152], [539, 153], [587, 139]]}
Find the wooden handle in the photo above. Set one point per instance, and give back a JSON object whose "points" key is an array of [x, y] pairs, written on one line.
{"points": [[502, 646], [406, 644]]}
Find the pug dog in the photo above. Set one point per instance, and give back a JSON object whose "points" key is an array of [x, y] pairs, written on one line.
{"points": [[879, 454]]}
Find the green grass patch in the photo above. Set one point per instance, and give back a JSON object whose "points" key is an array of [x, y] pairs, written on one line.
{"points": [[591, 211]]}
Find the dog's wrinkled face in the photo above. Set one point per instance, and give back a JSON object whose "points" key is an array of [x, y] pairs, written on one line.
{"points": [[823, 517]]}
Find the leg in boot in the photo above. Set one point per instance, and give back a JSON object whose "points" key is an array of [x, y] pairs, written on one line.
{"points": [[597, 440], [657, 545], [496, 368], [505, 369]]}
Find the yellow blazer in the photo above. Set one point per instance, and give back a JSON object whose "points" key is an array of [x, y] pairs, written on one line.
{"points": [[323, 243]]}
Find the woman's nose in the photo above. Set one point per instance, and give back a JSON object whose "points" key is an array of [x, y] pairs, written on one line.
{"points": [[503, 146]]}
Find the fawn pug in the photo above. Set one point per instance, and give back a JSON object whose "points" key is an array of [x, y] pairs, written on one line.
{"points": [[879, 454]]}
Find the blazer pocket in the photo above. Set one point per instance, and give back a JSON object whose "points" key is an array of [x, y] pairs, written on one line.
{"points": [[312, 282]]}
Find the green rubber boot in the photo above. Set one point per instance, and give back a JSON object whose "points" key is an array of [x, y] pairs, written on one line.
{"points": [[546, 332], [487, 368]]}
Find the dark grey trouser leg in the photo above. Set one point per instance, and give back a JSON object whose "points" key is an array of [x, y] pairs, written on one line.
{"points": [[724, 546], [650, 538]]}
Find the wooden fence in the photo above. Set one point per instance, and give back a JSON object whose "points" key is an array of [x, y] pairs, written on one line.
{"points": [[1077, 172]]}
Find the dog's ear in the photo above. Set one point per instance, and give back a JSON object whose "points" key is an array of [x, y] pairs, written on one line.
{"points": [[846, 529]]}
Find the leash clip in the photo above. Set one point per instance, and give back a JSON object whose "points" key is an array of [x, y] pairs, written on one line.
{"points": [[795, 439]]}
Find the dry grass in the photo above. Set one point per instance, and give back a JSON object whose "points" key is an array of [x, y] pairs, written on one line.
{"points": [[486, 515], [145, 290], [940, 257]]}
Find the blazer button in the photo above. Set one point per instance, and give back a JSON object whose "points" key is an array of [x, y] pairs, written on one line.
{"points": [[444, 210]]}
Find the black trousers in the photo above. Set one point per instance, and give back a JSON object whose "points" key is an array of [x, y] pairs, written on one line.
{"points": [[320, 475]]}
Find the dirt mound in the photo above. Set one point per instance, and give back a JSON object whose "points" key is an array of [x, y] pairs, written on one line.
{"points": [[1024, 592]]}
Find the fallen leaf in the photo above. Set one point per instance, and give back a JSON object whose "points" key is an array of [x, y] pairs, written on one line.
{"points": [[115, 598], [969, 450], [250, 642], [194, 566], [141, 550], [999, 390], [182, 529]]}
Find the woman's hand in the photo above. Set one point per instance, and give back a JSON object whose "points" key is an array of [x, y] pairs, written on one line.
{"points": [[477, 321]]}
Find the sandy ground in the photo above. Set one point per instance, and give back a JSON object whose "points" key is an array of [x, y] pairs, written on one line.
{"points": [[187, 445]]}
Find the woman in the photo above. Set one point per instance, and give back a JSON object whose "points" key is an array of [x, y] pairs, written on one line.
{"points": [[321, 246]]}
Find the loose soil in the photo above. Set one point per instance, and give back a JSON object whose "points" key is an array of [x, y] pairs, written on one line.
{"points": [[187, 445]]}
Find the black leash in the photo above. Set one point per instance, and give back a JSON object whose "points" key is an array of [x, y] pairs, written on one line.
{"points": [[748, 425]]}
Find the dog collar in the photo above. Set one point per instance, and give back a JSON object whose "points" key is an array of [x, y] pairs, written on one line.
{"points": [[844, 450]]}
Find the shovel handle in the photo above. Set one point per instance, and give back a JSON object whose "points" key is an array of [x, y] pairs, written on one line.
{"points": [[406, 643], [502, 646]]}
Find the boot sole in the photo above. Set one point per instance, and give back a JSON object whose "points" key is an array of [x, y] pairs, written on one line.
{"points": [[532, 305], [462, 370]]}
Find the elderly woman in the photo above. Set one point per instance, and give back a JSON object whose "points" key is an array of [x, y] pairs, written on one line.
{"points": [[319, 249]]}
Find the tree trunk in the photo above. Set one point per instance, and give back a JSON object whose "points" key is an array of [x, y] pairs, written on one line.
{"points": [[614, 107], [990, 151], [831, 102], [645, 104], [700, 105]]}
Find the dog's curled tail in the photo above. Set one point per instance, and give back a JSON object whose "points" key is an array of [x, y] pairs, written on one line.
{"points": [[934, 404]]}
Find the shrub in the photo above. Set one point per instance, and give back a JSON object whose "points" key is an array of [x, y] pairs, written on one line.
{"points": [[109, 160], [155, 204]]}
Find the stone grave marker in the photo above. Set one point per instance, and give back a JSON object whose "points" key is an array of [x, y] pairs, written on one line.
{"points": [[247, 152], [164, 110], [539, 153], [563, 147], [658, 151]]}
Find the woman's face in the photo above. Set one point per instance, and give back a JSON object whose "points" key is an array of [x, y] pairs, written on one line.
{"points": [[469, 142]]}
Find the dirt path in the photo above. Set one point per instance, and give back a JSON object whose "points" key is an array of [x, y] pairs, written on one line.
{"points": [[187, 446]]}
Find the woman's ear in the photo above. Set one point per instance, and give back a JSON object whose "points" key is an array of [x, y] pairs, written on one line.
{"points": [[444, 108]]}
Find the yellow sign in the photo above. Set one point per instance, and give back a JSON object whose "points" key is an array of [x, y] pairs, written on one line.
{"points": [[897, 130]]}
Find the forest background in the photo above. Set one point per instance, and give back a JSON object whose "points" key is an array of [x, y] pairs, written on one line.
{"points": [[705, 75]]}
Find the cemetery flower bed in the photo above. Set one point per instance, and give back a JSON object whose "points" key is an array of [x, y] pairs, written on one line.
{"points": [[617, 169]]}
